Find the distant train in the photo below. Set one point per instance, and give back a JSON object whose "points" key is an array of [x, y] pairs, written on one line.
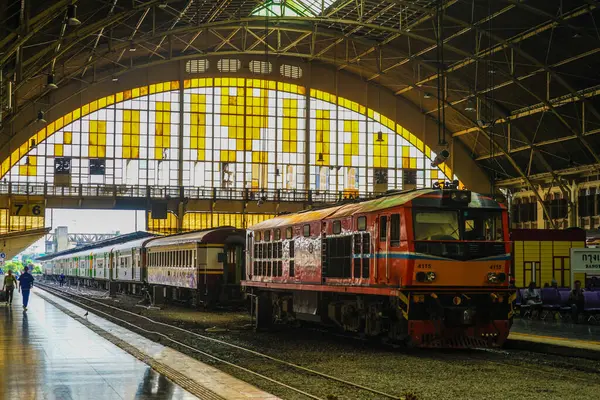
{"points": [[201, 267], [428, 267]]}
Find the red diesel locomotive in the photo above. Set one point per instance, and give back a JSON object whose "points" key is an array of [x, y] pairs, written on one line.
{"points": [[426, 267]]}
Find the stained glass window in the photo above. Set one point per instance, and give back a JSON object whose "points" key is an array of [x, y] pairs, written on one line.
{"points": [[228, 133]]}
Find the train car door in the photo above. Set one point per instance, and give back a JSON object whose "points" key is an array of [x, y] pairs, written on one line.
{"points": [[233, 265], [382, 247]]}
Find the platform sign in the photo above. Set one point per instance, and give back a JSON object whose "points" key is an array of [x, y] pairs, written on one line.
{"points": [[584, 262], [27, 207]]}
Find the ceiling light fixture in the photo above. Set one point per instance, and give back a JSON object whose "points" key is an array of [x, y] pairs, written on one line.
{"points": [[50, 82], [40, 117], [427, 95], [132, 46], [115, 78], [163, 5], [72, 15]]}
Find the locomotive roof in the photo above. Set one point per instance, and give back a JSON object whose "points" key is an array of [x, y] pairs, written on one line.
{"points": [[213, 235], [432, 196]]}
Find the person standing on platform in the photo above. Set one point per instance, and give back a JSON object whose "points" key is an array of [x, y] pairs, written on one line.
{"points": [[25, 285], [62, 279], [576, 301], [9, 284]]}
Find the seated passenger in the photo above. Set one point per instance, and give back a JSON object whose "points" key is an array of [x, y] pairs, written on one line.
{"points": [[554, 284], [531, 297], [576, 301]]}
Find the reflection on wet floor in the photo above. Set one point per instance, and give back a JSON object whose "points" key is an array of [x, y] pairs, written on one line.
{"points": [[45, 354], [560, 329]]}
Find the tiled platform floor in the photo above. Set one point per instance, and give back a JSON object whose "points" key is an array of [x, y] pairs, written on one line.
{"points": [[45, 354]]}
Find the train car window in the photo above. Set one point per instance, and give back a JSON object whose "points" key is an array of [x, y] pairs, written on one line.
{"points": [[306, 229], [383, 228], [292, 272], [279, 268], [280, 250], [361, 223], [255, 267], [292, 249], [256, 251], [277, 234], [257, 236], [288, 233], [270, 250], [267, 236], [395, 230], [337, 227]]}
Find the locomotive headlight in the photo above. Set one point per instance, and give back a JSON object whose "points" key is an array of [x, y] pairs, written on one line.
{"points": [[426, 276], [492, 277]]}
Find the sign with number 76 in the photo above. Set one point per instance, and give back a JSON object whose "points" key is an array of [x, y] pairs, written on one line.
{"points": [[29, 209]]}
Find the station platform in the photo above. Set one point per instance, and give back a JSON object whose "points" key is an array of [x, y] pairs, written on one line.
{"points": [[581, 337], [53, 352]]}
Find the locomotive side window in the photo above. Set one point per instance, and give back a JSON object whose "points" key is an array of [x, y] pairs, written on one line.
{"points": [[288, 233], [306, 229], [337, 227], [292, 252], [277, 234], [383, 228], [361, 223], [257, 236], [267, 236], [395, 230]]}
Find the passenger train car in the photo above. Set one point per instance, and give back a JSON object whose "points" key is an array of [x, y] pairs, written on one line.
{"points": [[428, 267], [201, 267]]}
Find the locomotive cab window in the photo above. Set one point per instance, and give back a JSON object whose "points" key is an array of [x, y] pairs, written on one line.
{"points": [[277, 234], [257, 237], [436, 225], [361, 223], [482, 225], [306, 230], [267, 236], [288, 233], [337, 227]]}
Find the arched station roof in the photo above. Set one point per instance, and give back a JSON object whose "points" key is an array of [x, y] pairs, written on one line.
{"points": [[521, 76]]}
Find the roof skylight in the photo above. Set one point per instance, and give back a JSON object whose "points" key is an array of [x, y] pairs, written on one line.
{"points": [[292, 8]]}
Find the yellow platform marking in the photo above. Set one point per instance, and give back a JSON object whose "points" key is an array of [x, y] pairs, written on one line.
{"points": [[576, 343]]}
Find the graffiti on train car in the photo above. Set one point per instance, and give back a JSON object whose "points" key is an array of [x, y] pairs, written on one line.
{"points": [[181, 277]]}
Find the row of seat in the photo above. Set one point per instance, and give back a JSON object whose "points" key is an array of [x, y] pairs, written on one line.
{"points": [[555, 302]]}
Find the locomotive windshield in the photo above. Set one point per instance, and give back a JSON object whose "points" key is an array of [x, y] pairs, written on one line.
{"points": [[458, 225]]}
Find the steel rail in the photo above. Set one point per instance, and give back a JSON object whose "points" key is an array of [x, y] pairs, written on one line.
{"points": [[222, 342]]}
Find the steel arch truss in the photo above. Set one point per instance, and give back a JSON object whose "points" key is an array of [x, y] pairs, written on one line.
{"points": [[522, 99]]}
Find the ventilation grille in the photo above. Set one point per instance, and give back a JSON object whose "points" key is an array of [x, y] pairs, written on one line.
{"points": [[196, 66], [290, 71], [260, 67], [229, 65]]}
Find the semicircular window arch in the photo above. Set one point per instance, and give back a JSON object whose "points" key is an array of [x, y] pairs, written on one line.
{"points": [[235, 133]]}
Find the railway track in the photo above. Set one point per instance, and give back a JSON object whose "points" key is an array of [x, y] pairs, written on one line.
{"points": [[189, 341]]}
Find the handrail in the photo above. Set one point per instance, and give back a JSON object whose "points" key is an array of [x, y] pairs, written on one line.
{"points": [[174, 192]]}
